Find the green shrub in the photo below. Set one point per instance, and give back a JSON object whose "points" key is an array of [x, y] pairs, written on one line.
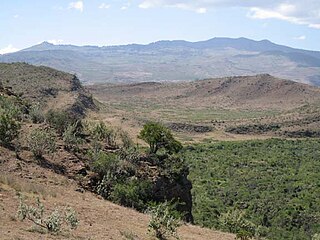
{"points": [[235, 222], [11, 107], [131, 155], [316, 236], [41, 142], [71, 218], [133, 193], [60, 120], [163, 224], [104, 163], [125, 139], [104, 134], [71, 137], [10, 115], [36, 114], [9, 128], [52, 223]]}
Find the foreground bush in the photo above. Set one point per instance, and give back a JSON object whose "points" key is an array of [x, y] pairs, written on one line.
{"points": [[235, 222], [163, 224], [52, 222]]}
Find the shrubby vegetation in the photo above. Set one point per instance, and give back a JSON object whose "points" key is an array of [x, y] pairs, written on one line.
{"points": [[41, 141], [158, 136], [163, 223], [274, 181], [36, 113], [253, 129], [60, 120], [10, 115], [72, 136], [52, 222], [125, 174]]}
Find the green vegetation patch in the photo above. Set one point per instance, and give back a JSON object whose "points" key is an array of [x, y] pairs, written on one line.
{"points": [[275, 182]]}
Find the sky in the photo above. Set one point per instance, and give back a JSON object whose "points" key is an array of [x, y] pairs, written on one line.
{"points": [[24, 23]]}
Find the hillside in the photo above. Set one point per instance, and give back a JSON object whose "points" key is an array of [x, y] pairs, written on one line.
{"points": [[175, 60], [207, 108], [254, 92], [48, 87], [54, 155]]}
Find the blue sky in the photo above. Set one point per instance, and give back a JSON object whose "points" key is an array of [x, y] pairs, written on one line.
{"points": [[24, 23]]}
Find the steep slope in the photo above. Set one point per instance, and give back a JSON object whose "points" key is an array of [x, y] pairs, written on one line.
{"points": [[175, 60]]}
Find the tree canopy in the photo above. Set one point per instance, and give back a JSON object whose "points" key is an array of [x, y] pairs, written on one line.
{"points": [[158, 136]]}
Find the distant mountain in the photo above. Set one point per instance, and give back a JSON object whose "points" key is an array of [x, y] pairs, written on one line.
{"points": [[175, 60]]}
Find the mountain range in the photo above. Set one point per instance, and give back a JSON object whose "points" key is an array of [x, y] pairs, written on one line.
{"points": [[175, 60]]}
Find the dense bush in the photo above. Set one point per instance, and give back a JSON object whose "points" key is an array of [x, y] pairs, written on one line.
{"points": [[12, 107], [253, 129], [132, 193], [130, 178], [274, 181], [104, 163]]}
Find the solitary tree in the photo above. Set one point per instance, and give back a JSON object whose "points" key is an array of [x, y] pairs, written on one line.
{"points": [[158, 136]]}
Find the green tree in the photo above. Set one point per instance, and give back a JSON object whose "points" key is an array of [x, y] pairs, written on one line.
{"points": [[158, 136]]}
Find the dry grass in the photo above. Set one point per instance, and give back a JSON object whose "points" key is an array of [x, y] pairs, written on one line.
{"points": [[21, 185]]}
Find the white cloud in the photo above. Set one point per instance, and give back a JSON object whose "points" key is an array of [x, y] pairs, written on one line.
{"points": [[126, 6], [104, 6], [201, 10], [76, 5], [314, 25], [16, 16], [305, 12], [55, 41], [302, 37], [184, 5], [9, 49]]}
